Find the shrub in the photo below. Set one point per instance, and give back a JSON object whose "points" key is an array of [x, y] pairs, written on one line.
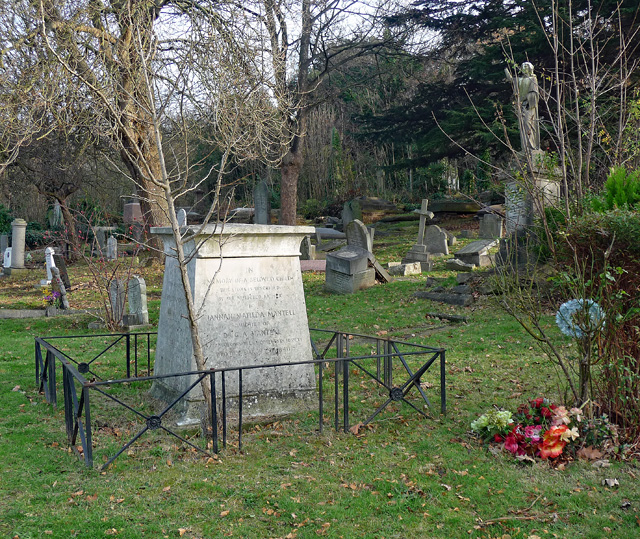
{"points": [[5, 220], [621, 191], [313, 208]]}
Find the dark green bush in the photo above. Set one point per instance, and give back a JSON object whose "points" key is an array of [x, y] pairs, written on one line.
{"points": [[313, 208], [5, 220]]}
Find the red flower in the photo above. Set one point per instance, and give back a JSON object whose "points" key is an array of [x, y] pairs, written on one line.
{"points": [[537, 403], [545, 412], [552, 444], [497, 438]]}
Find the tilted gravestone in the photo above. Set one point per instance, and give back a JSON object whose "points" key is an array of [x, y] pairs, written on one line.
{"points": [[261, 204], [117, 296], [403, 270], [112, 248], [419, 251], [359, 236], [137, 294], [436, 241], [58, 262], [58, 285], [307, 249], [477, 252]]}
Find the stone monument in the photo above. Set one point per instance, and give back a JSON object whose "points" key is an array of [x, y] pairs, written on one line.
{"points": [[261, 204], [527, 94], [50, 263], [138, 313], [18, 230], [419, 253], [132, 216], [247, 284], [117, 296], [6, 259], [436, 240], [490, 226], [4, 243], [348, 270], [359, 235], [112, 248], [182, 217]]}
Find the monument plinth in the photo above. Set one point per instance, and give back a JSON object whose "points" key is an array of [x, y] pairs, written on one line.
{"points": [[247, 286]]}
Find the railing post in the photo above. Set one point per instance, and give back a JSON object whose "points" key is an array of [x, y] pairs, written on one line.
{"points": [[214, 412], [67, 381], [50, 382], [337, 369], [128, 340], [388, 364], [443, 388], [38, 362], [88, 450]]}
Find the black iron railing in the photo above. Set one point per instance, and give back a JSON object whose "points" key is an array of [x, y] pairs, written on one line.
{"points": [[389, 369]]}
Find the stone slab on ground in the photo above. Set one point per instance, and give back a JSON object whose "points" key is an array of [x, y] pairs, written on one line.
{"points": [[463, 300], [458, 265], [14, 314]]}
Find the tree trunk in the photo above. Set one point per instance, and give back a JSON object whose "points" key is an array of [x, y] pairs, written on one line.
{"points": [[71, 236], [290, 172]]}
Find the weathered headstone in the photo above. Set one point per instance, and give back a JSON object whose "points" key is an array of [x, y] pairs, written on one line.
{"points": [[6, 258], [477, 252], [182, 217], [4, 243], [261, 204], [347, 214], [307, 249], [490, 226], [59, 262], [58, 285], [117, 296], [112, 248], [247, 282], [132, 217], [410, 268], [137, 294], [358, 235], [348, 270], [18, 230], [436, 241], [466, 234], [100, 234]]}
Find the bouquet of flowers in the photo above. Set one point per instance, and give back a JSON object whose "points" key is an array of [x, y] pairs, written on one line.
{"points": [[539, 428], [50, 298]]}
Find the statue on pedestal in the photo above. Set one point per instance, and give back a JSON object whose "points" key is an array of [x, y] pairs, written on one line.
{"points": [[528, 95]]}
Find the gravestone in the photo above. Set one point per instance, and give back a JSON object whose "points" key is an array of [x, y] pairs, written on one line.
{"points": [[18, 229], [58, 285], [477, 252], [419, 252], [112, 248], [4, 243], [436, 240], [348, 270], [307, 249], [347, 214], [359, 236], [137, 294], [410, 268], [182, 217], [490, 226], [132, 217], [50, 263], [6, 258], [100, 233], [117, 296], [59, 262], [518, 208], [247, 283], [261, 204], [467, 234]]}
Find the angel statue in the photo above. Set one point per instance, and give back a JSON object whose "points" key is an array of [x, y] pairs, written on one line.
{"points": [[527, 93]]}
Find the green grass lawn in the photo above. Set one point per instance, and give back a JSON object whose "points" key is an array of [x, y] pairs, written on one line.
{"points": [[405, 476]]}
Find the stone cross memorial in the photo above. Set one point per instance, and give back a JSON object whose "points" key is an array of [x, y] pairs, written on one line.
{"points": [[246, 282], [419, 252]]}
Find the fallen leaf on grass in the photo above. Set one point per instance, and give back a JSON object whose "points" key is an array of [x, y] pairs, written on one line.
{"points": [[182, 531], [590, 453], [224, 513], [92, 498], [166, 489]]}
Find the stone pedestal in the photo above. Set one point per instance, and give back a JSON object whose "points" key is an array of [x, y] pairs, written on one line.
{"points": [[18, 229], [247, 285]]}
